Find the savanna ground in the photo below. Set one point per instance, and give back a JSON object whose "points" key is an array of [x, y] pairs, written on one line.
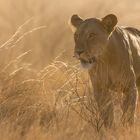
{"points": [[43, 93]]}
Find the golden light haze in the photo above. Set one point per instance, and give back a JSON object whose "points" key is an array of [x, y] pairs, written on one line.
{"points": [[43, 94]]}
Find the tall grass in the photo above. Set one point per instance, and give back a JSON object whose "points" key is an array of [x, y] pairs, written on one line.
{"points": [[43, 92]]}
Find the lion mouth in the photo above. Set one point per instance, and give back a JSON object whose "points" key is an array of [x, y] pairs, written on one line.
{"points": [[89, 61], [88, 64]]}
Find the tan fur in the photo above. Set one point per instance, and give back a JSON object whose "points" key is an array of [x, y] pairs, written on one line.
{"points": [[117, 66]]}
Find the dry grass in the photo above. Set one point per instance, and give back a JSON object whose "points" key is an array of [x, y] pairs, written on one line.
{"points": [[43, 93]]}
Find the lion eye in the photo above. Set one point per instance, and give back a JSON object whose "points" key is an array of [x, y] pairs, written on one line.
{"points": [[91, 35]]}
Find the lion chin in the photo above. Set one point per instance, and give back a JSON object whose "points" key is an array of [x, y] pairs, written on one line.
{"points": [[87, 66]]}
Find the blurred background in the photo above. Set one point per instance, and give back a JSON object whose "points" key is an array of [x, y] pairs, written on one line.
{"points": [[56, 39], [42, 91]]}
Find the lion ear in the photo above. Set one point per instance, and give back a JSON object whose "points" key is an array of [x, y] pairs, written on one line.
{"points": [[109, 22], [75, 22]]}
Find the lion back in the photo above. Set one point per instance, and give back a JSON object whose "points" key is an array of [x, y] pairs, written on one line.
{"points": [[133, 31]]}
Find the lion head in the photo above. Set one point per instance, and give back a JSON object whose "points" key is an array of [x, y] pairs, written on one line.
{"points": [[91, 37]]}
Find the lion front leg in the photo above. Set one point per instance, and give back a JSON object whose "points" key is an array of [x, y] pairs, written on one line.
{"points": [[130, 96], [105, 106], [101, 83]]}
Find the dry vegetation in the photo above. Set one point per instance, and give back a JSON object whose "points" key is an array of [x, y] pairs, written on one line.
{"points": [[43, 93]]}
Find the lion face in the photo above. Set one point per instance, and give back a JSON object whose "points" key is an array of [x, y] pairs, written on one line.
{"points": [[91, 37]]}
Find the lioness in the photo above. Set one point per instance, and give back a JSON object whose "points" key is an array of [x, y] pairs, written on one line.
{"points": [[112, 56]]}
